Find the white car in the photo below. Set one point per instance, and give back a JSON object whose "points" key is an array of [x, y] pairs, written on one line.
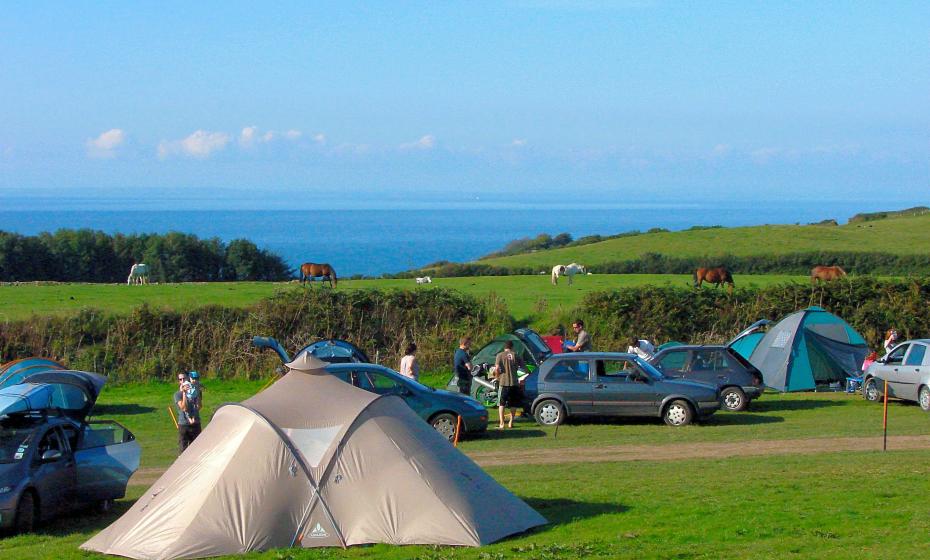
{"points": [[906, 369]]}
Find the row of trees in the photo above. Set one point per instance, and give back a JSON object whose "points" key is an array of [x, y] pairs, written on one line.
{"points": [[86, 255]]}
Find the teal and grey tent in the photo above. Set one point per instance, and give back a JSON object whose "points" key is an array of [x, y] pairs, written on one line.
{"points": [[808, 348]]}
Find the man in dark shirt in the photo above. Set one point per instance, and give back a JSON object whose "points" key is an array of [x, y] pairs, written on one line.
{"points": [[188, 413], [461, 362]]}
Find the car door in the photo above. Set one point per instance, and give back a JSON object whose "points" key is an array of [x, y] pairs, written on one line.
{"points": [[909, 372], [707, 366], [621, 388], [107, 455], [891, 369], [54, 479], [571, 380]]}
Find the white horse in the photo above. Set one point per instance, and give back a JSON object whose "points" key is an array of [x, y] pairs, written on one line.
{"points": [[569, 270], [425, 280], [138, 274]]}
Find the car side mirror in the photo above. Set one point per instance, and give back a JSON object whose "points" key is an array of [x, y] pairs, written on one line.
{"points": [[51, 455]]}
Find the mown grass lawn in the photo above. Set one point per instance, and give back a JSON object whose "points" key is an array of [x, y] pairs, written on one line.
{"points": [[526, 296], [143, 409], [832, 505], [827, 505]]}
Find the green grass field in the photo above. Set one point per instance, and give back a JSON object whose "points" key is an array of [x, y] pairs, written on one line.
{"points": [[522, 293], [902, 236], [825, 505]]}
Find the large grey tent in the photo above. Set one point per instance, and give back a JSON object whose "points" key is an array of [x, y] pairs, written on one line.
{"points": [[807, 348], [313, 461]]}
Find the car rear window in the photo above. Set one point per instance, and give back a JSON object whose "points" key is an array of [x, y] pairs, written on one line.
{"points": [[568, 370], [916, 356]]}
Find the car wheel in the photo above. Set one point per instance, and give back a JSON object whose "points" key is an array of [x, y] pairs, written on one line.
{"points": [[104, 506], [678, 413], [550, 412], [923, 398], [26, 513], [871, 392], [444, 423], [734, 399]]}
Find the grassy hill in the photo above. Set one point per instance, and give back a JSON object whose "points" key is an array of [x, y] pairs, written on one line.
{"points": [[905, 235]]}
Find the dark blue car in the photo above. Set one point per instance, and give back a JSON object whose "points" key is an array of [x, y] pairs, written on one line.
{"points": [[51, 459]]}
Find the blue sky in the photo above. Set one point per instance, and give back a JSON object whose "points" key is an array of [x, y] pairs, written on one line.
{"points": [[626, 100]]}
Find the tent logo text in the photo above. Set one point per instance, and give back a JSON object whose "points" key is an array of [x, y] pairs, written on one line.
{"points": [[318, 532]]}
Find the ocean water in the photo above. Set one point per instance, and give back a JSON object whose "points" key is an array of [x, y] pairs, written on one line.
{"points": [[374, 241]]}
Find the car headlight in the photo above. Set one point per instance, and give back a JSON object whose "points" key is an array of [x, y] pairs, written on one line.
{"points": [[5, 489]]}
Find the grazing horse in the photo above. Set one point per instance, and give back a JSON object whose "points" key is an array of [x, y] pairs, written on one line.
{"points": [[569, 270], [424, 280], [138, 274], [715, 276], [309, 271], [826, 273]]}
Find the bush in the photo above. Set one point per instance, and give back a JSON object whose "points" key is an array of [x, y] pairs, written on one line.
{"points": [[870, 305], [151, 344]]}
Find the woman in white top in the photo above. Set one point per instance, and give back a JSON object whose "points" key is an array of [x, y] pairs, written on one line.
{"points": [[409, 366], [891, 340]]}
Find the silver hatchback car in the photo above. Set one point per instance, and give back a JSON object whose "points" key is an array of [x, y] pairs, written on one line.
{"points": [[906, 369]]}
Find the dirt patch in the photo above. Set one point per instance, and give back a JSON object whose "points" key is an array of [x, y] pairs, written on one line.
{"points": [[706, 450], [667, 452]]}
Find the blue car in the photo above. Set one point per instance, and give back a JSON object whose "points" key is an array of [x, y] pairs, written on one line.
{"points": [[441, 409], [51, 459]]}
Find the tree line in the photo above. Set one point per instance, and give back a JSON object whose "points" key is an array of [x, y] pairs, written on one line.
{"points": [[85, 255]]}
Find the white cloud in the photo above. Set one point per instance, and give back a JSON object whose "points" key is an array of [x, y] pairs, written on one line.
{"points": [[247, 136], [200, 144], [763, 155], [721, 150], [293, 134], [104, 146], [427, 142], [518, 142], [319, 138]]}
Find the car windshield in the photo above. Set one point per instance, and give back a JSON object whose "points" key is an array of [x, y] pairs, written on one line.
{"points": [[649, 368], [13, 443]]}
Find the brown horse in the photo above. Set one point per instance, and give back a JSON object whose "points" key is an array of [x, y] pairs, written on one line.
{"points": [[309, 271], [715, 276], [826, 273]]}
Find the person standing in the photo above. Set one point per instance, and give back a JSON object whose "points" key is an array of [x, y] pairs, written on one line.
{"points": [[582, 338], [461, 362], [409, 366], [506, 364], [188, 413], [891, 340]]}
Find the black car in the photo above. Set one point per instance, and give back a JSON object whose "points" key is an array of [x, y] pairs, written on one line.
{"points": [[613, 384], [739, 381], [51, 459]]}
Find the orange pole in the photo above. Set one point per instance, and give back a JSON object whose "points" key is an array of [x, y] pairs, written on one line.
{"points": [[458, 428], [173, 419], [885, 420]]}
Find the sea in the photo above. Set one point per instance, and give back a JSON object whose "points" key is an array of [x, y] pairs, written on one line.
{"points": [[376, 241]]}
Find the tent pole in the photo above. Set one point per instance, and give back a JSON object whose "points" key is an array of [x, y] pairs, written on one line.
{"points": [[885, 420]]}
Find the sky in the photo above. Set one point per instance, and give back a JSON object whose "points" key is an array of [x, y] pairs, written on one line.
{"points": [[457, 101]]}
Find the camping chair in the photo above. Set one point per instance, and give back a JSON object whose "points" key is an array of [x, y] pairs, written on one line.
{"points": [[854, 384]]}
